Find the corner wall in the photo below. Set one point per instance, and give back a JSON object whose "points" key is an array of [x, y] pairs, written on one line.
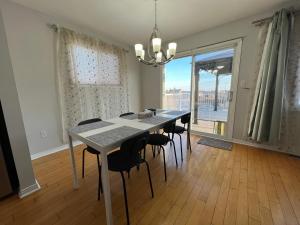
{"points": [[13, 117]]}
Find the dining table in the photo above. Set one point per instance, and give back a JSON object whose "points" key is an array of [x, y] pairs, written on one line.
{"points": [[107, 135]]}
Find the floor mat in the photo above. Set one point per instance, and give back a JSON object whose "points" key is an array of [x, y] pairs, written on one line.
{"points": [[216, 143]]}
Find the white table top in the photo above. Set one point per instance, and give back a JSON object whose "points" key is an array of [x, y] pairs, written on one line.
{"points": [[109, 134]]}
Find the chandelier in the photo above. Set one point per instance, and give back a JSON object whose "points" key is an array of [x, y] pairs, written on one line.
{"points": [[156, 55]]}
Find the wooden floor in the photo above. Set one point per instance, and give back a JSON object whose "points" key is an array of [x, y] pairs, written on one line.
{"points": [[212, 186]]}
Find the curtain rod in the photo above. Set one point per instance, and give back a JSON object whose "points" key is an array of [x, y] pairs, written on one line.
{"points": [[56, 26], [263, 20]]}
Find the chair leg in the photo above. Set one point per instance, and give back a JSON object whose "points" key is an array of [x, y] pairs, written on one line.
{"points": [[149, 177], [181, 147], [175, 153], [138, 166], [83, 162], [169, 138], [125, 198], [100, 188], [153, 151], [189, 138], [165, 169], [128, 173]]}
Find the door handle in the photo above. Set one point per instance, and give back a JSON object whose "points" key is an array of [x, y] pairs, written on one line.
{"points": [[230, 95]]}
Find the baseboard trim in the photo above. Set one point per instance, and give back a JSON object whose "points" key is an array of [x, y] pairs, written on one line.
{"points": [[256, 145], [243, 142], [53, 150], [29, 190]]}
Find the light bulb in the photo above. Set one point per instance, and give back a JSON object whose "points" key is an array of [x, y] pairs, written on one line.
{"points": [[143, 55], [156, 43], [138, 50], [158, 57], [172, 48]]}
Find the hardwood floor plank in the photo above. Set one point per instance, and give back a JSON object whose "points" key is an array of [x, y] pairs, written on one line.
{"points": [[284, 200], [253, 199], [245, 186], [242, 204]]}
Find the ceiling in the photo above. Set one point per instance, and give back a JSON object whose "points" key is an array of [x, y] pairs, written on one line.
{"points": [[131, 21]]}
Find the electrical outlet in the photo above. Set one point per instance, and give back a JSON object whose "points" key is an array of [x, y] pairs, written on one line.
{"points": [[43, 133]]}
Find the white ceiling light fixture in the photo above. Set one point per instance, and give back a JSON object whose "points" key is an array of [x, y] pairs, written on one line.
{"points": [[156, 55]]}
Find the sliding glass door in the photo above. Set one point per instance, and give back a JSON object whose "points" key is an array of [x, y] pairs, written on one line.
{"points": [[213, 95], [205, 82]]}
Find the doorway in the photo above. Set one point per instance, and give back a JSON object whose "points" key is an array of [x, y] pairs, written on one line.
{"points": [[204, 81]]}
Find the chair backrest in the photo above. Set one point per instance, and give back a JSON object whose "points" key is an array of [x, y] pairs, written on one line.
{"points": [[152, 109], [84, 122], [186, 118], [169, 127], [134, 145], [126, 114]]}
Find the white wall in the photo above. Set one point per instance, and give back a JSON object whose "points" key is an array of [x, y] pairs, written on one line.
{"points": [[13, 117], [31, 46], [151, 81]]}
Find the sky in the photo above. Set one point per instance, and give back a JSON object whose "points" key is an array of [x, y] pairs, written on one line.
{"points": [[178, 73]]}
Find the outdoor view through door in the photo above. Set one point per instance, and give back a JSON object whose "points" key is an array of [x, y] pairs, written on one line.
{"points": [[177, 84], [213, 72], [208, 94]]}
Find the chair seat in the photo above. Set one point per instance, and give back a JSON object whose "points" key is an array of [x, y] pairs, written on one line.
{"points": [[92, 150], [120, 161], [179, 130], [158, 139]]}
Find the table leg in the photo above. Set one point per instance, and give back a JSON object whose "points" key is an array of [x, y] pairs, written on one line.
{"points": [[106, 188], [75, 178]]}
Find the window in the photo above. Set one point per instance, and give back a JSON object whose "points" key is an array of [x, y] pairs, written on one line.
{"points": [[95, 67], [91, 80]]}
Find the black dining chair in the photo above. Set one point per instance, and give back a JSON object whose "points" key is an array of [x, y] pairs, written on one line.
{"points": [[160, 140], [126, 114], [186, 121], [94, 152], [152, 110], [123, 115], [126, 158]]}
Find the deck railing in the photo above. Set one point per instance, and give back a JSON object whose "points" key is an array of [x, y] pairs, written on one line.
{"points": [[206, 103]]}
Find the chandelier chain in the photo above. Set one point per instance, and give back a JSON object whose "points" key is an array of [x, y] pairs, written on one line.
{"points": [[156, 55], [155, 26]]}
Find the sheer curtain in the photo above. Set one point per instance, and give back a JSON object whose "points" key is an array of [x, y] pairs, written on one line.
{"points": [[92, 79]]}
